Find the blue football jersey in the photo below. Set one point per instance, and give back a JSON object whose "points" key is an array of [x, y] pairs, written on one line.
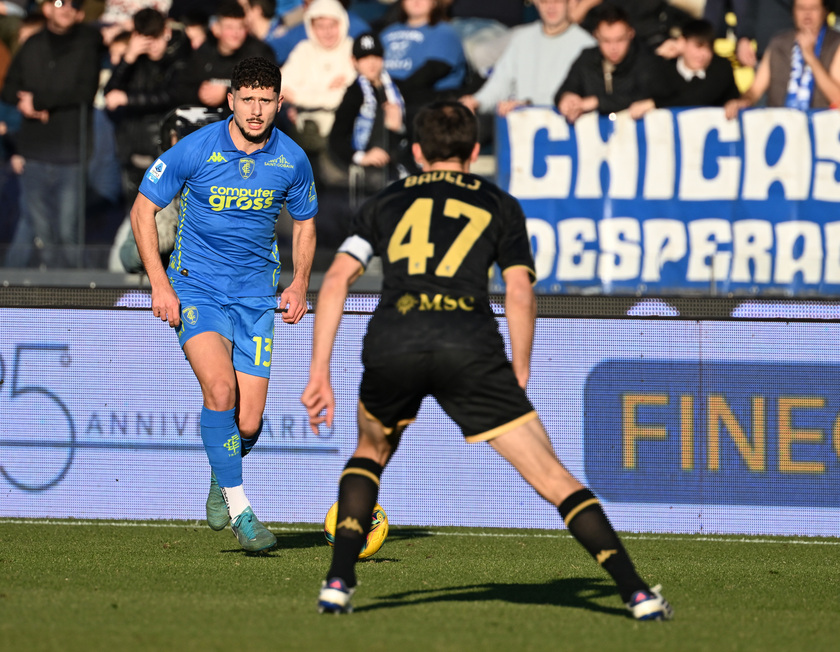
{"points": [[229, 206], [407, 49]]}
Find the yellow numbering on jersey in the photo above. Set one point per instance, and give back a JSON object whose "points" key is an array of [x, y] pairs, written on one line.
{"points": [[262, 345], [410, 239]]}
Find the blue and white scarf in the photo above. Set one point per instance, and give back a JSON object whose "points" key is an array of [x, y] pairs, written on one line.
{"points": [[801, 83], [363, 125]]}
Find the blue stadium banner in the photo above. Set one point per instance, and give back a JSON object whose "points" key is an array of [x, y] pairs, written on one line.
{"points": [[683, 201]]}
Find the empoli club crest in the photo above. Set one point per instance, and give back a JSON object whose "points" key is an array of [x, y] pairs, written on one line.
{"points": [[190, 314], [232, 445], [246, 167]]}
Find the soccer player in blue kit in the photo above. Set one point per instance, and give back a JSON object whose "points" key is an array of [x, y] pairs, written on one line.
{"points": [[220, 288]]}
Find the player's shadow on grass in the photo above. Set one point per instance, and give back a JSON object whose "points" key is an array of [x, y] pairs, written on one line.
{"points": [[295, 540], [298, 540], [575, 592], [287, 541], [399, 533]]}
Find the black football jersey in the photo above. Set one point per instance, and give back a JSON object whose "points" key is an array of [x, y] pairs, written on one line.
{"points": [[438, 234]]}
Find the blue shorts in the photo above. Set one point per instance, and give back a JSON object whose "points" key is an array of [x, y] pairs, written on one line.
{"points": [[247, 322]]}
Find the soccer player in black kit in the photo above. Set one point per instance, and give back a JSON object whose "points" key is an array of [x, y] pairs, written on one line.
{"points": [[434, 333]]}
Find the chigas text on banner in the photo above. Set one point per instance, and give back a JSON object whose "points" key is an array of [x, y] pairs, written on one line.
{"points": [[683, 199]]}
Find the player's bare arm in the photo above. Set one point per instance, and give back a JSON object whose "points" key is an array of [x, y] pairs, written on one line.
{"points": [[753, 93], [165, 304], [579, 8], [293, 297], [521, 312], [318, 396]]}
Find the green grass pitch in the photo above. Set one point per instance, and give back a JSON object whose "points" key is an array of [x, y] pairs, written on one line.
{"points": [[179, 586]]}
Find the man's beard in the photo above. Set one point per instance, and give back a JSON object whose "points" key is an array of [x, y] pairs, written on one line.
{"points": [[255, 138]]}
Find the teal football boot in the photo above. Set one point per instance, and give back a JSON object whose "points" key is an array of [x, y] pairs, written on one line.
{"points": [[217, 511], [253, 536]]}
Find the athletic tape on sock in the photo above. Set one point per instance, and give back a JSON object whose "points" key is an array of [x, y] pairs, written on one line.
{"points": [[222, 445]]}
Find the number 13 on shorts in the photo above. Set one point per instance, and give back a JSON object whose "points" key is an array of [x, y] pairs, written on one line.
{"points": [[262, 356]]}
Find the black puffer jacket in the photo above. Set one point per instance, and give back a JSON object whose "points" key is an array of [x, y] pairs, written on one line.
{"points": [[207, 63], [633, 79], [150, 88], [62, 73]]}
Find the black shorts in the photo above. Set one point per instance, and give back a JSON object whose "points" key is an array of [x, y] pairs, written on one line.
{"points": [[478, 391]]}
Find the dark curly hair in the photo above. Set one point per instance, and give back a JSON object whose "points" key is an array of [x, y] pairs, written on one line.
{"points": [[229, 9], [445, 130], [610, 14], [149, 22], [255, 72]]}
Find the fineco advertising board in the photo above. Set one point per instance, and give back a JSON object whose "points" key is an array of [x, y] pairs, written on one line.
{"points": [[678, 425]]}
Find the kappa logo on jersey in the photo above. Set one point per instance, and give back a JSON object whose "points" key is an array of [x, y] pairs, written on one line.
{"points": [[438, 303], [244, 199], [246, 167], [190, 314], [216, 157], [156, 171], [279, 162]]}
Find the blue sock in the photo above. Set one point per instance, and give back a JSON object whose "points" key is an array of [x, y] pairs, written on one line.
{"points": [[248, 444], [222, 445]]}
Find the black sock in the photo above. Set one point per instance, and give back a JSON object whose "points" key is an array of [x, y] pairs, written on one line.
{"points": [[589, 525], [357, 492], [249, 443]]}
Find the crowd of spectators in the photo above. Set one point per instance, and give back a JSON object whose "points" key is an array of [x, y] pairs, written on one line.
{"points": [[87, 85]]}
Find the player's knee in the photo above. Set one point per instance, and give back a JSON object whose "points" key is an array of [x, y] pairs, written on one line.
{"points": [[374, 448], [249, 426], [219, 394]]}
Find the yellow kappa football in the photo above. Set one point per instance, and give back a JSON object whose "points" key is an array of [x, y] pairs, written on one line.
{"points": [[376, 536]]}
